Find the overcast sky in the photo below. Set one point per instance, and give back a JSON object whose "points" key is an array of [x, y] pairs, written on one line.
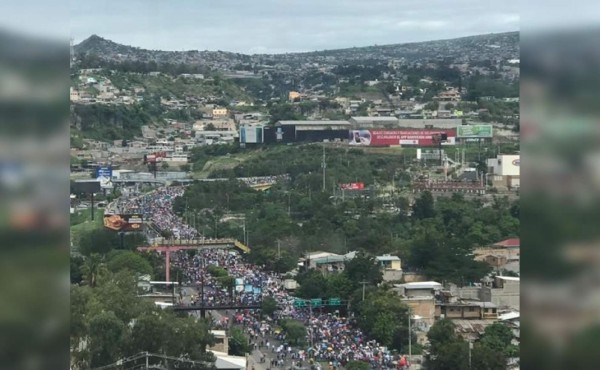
{"points": [[278, 26]]}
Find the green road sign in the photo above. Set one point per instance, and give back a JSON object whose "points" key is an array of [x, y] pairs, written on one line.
{"points": [[316, 302], [299, 302], [334, 302]]}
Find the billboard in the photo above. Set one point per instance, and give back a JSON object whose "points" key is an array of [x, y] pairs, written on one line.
{"points": [[353, 186], [104, 172], [154, 157], [85, 187], [251, 135], [399, 137], [124, 222], [474, 131]]}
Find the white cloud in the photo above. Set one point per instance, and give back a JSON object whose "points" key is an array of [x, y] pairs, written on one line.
{"points": [[275, 25]]}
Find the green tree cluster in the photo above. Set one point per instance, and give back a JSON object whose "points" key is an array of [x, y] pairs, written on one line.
{"points": [[110, 322], [109, 122], [384, 317], [448, 350], [437, 239], [295, 331]]}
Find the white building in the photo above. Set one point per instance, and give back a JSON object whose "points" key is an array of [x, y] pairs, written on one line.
{"points": [[505, 170]]}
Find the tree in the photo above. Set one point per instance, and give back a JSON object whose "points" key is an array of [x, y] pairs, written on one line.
{"points": [[447, 350], [339, 286], [185, 167], [295, 331], [383, 316], [80, 299], [128, 260], [485, 358], [92, 268], [363, 268], [164, 165], [97, 241], [424, 206], [433, 106], [149, 334], [312, 285], [75, 271], [238, 342], [107, 335], [268, 306], [210, 127], [498, 338]]}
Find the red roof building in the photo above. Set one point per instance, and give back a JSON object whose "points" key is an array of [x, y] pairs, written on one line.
{"points": [[509, 243]]}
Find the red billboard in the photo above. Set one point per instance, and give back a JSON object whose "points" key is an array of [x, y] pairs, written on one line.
{"points": [[400, 137], [154, 157], [353, 186]]}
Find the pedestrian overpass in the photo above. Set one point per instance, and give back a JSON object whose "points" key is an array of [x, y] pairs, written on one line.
{"points": [[169, 246]]}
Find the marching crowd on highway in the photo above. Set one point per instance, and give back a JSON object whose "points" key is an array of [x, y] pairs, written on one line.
{"points": [[157, 207], [331, 337]]}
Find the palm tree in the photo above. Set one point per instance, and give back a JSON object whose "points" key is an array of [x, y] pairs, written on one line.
{"points": [[92, 268]]}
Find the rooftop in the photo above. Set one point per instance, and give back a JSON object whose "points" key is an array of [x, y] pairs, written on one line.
{"points": [[509, 278], [420, 285], [316, 123], [387, 258], [375, 119], [509, 243], [329, 259], [509, 316]]}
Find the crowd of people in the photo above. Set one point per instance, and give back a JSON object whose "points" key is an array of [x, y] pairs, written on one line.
{"points": [[264, 180], [157, 207], [330, 337]]}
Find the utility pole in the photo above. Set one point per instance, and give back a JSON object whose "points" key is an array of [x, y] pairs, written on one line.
{"points": [[364, 283], [470, 346], [244, 230], [92, 206], [278, 249], [323, 165], [409, 338], [147, 367]]}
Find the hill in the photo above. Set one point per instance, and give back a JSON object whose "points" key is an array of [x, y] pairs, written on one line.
{"points": [[485, 46]]}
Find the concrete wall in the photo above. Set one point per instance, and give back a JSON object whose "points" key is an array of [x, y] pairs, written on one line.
{"points": [[392, 275], [509, 295], [411, 277], [424, 307]]}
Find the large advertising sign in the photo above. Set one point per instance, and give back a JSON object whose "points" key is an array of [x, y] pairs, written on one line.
{"points": [[104, 172], [154, 157], [353, 186], [400, 137], [104, 176], [474, 131], [124, 222], [251, 135]]}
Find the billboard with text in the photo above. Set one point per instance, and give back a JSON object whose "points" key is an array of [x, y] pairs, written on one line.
{"points": [[124, 222], [474, 131], [353, 186], [399, 137]]}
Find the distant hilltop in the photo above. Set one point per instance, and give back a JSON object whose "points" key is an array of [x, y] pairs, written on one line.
{"points": [[493, 43]]}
